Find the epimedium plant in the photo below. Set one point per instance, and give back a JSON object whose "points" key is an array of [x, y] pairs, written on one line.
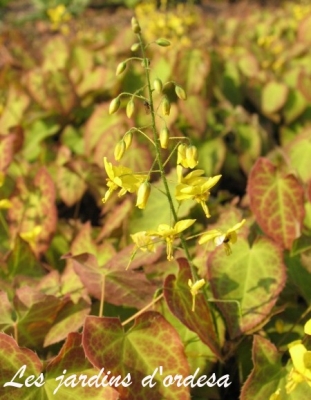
{"points": [[212, 312]]}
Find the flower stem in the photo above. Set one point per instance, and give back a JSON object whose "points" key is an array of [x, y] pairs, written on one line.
{"points": [[159, 158]]}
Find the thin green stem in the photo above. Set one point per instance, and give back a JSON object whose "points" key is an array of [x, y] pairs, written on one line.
{"points": [[159, 158]]}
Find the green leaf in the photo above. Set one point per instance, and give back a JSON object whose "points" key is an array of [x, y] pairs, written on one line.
{"points": [[299, 276], [277, 201], [295, 105], [269, 376], [179, 300], [22, 261], [144, 220], [193, 68], [267, 372], [16, 104], [151, 343], [35, 133], [298, 151], [193, 111], [248, 65], [211, 156], [253, 277], [70, 182], [274, 96]]}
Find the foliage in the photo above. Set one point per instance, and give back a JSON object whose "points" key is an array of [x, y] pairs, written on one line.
{"points": [[189, 256]]}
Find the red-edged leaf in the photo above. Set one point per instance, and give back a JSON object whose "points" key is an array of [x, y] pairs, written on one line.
{"points": [[151, 343], [71, 185], [121, 287], [6, 151], [277, 201], [264, 379], [115, 218], [249, 281], [12, 358], [71, 359], [70, 365], [35, 206], [178, 297]]}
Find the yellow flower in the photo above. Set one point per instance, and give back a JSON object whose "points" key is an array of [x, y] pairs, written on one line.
{"points": [[307, 327], [301, 367], [143, 195], [32, 235], [143, 241], [169, 234], [194, 289], [122, 178], [5, 204], [219, 237], [197, 188]]}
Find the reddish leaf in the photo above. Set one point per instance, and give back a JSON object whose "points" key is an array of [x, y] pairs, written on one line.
{"points": [[151, 343], [277, 201], [71, 186], [264, 379], [121, 287], [179, 300], [12, 358], [50, 381], [115, 218], [35, 206], [6, 151]]}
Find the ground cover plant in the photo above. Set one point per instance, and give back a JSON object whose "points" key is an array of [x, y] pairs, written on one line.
{"points": [[155, 204]]}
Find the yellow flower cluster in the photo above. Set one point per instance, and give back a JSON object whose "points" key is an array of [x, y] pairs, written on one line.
{"points": [[300, 11], [301, 370], [173, 24], [58, 16]]}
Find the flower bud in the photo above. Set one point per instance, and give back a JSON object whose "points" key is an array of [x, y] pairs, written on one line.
{"points": [[135, 25], [135, 47], [192, 156], [157, 84], [163, 42], [180, 92], [181, 154], [114, 105], [119, 150], [143, 195], [120, 68], [128, 137], [164, 137], [166, 106], [130, 108]]}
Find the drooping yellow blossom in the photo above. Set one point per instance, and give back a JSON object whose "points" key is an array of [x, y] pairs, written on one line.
{"points": [[143, 242], [222, 238], [307, 327], [143, 195], [169, 234], [5, 204], [194, 289], [122, 178], [197, 188], [32, 235], [301, 370], [187, 156]]}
